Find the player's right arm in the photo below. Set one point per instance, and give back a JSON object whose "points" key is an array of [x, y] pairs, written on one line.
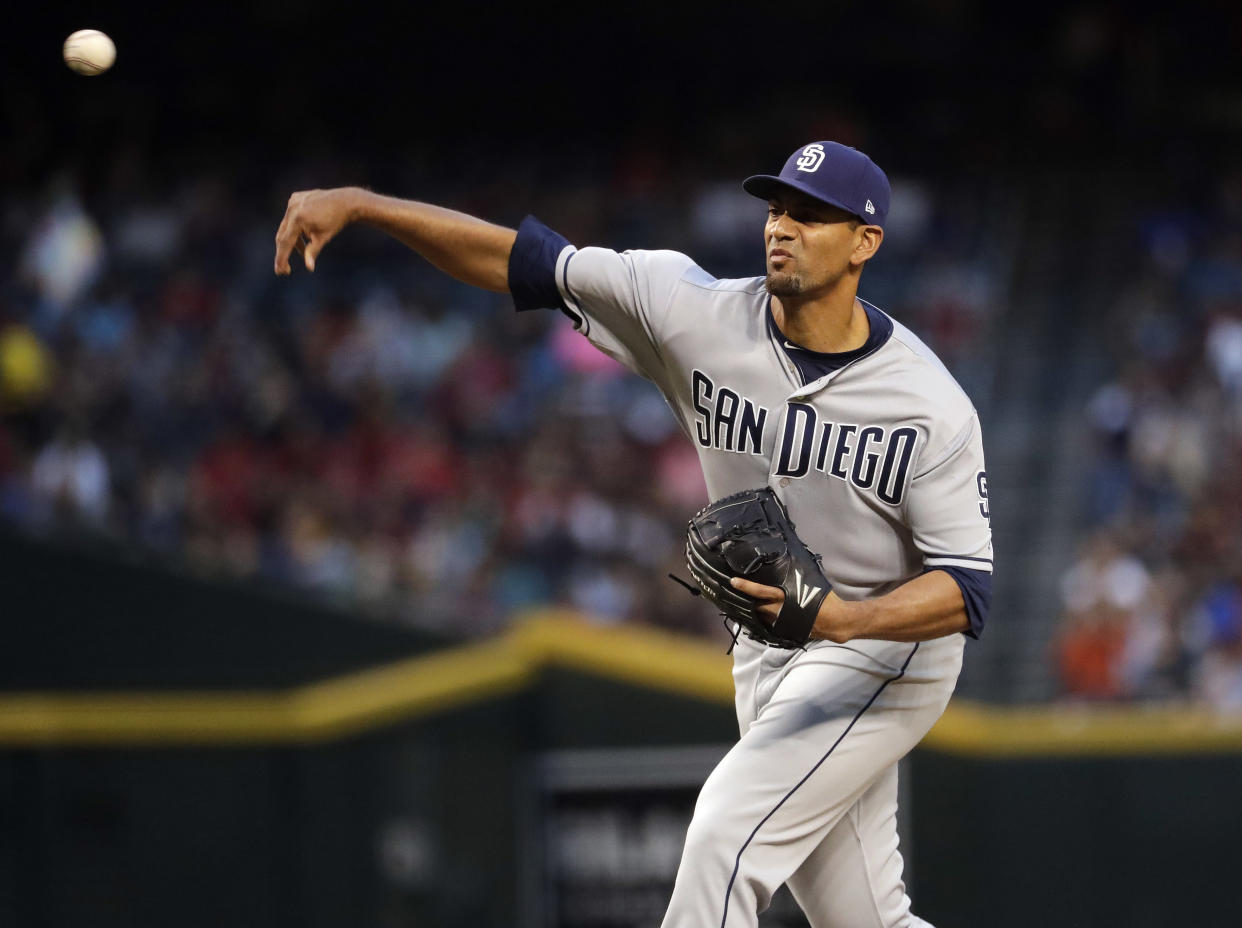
{"points": [[472, 250], [617, 300]]}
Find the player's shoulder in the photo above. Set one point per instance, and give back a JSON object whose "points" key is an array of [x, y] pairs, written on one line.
{"points": [[750, 286], [923, 376], [687, 271]]}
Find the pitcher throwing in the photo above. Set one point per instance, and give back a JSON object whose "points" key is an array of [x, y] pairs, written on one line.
{"points": [[822, 412]]}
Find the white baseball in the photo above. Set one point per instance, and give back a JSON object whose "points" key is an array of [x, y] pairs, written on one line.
{"points": [[89, 52]]}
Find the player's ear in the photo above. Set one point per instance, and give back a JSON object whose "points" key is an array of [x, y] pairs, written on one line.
{"points": [[866, 244]]}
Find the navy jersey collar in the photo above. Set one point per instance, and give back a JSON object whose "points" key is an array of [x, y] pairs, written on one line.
{"points": [[815, 364]]}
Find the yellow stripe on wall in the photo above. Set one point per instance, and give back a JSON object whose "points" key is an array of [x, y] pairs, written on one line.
{"points": [[977, 730], [317, 712], [642, 656], [422, 686]]}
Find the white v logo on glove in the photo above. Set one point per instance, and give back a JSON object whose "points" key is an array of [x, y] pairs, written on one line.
{"points": [[803, 593]]}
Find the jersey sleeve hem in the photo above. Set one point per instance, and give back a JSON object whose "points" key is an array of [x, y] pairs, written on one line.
{"points": [[533, 264], [957, 560], [976, 589]]}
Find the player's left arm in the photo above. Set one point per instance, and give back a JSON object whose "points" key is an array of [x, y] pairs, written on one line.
{"points": [[929, 606], [947, 509]]}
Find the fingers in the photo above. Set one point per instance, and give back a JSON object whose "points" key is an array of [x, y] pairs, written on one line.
{"points": [[311, 220], [771, 596], [289, 234], [767, 594], [287, 237], [314, 244]]}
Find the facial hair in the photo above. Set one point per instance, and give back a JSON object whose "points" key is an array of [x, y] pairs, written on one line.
{"points": [[783, 284], [792, 285]]}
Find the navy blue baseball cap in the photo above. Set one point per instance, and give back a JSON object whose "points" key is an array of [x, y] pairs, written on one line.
{"points": [[831, 173]]}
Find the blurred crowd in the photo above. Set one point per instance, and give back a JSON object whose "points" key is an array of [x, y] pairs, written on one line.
{"points": [[378, 435], [1153, 606]]}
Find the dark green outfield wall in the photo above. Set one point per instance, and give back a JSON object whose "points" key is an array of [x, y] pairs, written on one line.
{"points": [[74, 618], [437, 822], [412, 826], [443, 822], [1135, 842]]}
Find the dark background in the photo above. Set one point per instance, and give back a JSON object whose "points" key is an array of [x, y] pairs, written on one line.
{"points": [[1079, 173], [941, 87]]}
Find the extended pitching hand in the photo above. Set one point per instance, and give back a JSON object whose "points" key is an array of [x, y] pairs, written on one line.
{"points": [[312, 219]]}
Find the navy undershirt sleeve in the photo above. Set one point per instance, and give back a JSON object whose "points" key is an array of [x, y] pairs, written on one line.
{"points": [[976, 587], [532, 267]]}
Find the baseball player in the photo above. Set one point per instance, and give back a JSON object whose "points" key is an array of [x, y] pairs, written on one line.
{"points": [[789, 382]]}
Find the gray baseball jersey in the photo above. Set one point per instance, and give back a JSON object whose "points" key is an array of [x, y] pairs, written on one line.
{"points": [[879, 460]]}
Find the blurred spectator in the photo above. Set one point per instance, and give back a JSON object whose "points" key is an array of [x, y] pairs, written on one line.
{"points": [[1224, 351], [64, 254], [71, 473], [1163, 489], [1102, 595], [26, 367], [1218, 637]]}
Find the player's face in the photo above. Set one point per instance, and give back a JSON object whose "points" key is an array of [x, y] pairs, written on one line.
{"points": [[810, 245]]}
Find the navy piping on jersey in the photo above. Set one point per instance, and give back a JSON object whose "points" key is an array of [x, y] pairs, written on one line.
{"points": [[976, 587], [813, 365], [874, 696], [962, 557], [578, 320]]}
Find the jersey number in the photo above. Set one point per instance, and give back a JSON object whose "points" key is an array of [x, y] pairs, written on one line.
{"points": [[982, 481]]}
